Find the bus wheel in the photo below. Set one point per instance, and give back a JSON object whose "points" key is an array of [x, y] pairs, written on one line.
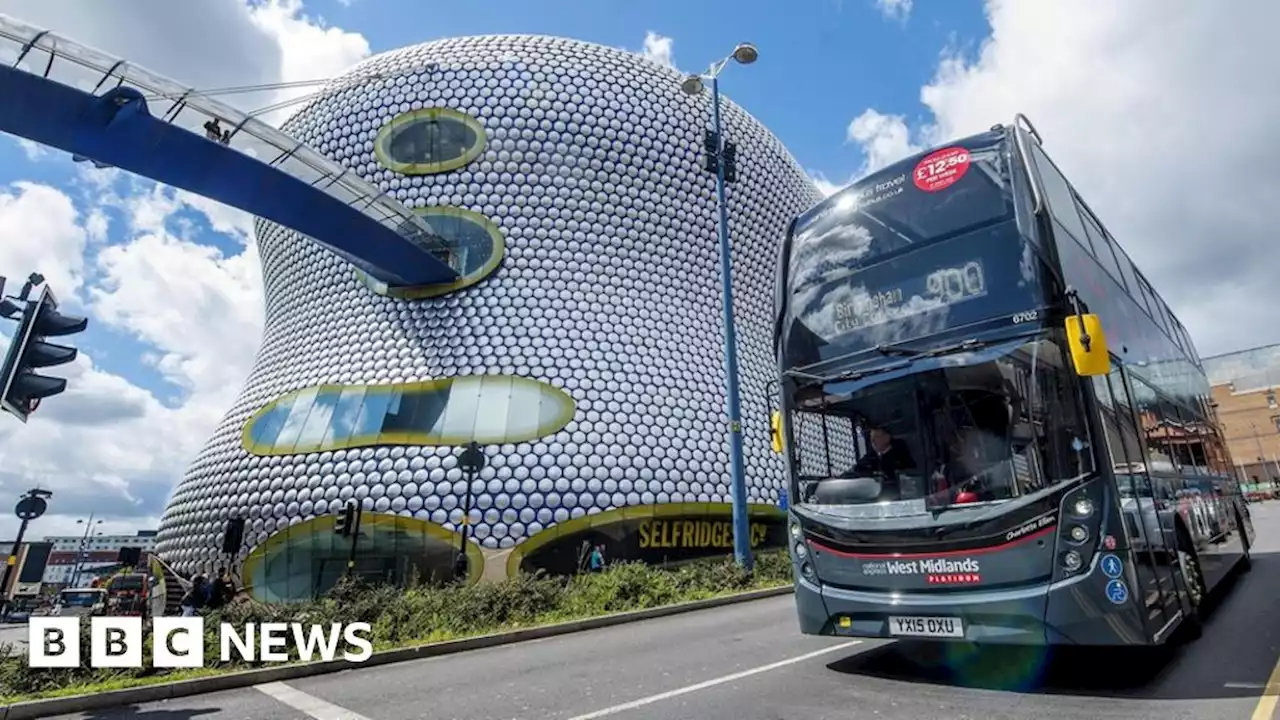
{"points": [[1193, 624], [1190, 567]]}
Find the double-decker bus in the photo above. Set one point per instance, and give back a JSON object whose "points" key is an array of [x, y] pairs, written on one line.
{"points": [[994, 428]]}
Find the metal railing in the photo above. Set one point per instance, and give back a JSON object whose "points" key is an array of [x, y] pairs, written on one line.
{"points": [[65, 61]]}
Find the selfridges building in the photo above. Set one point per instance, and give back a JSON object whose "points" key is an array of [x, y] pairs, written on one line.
{"points": [[581, 344]]}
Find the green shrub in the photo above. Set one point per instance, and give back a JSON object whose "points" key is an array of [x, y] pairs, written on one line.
{"points": [[402, 617]]}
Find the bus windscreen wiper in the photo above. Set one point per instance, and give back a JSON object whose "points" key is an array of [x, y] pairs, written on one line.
{"points": [[898, 349], [810, 379], [970, 344], [859, 374]]}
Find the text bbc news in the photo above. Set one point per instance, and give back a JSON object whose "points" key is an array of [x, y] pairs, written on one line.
{"points": [[178, 642]]}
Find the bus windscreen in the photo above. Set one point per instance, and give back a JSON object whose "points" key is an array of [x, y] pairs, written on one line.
{"points": [[920, 200], [901, 256]]}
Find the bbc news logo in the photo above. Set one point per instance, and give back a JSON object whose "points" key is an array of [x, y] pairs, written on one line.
{"points": [[178, 642]]}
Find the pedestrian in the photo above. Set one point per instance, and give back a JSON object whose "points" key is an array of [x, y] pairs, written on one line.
{"points": [[597, 558], [196, 596], [220, 593], [213, 130]]}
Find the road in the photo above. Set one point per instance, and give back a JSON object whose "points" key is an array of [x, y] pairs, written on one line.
{"points": [[748, 662], [14, 633]]}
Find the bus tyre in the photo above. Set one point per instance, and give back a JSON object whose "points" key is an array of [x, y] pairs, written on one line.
{"points": [[1190, 566]]}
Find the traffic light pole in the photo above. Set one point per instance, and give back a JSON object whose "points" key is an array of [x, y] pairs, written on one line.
{"points": [[471, 461], [726, 172], [355, 536]]}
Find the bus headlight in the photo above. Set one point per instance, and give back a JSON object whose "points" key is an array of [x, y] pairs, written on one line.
{"points": [[1071, 561], [1083, 507], [795, 532], [807, 570], [802, 552], [1079, 534]]}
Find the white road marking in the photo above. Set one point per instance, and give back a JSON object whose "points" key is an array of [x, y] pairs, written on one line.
{"points": [[715, 681], [309, 704]]}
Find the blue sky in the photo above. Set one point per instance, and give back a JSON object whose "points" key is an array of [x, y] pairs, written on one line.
{"points": [[822, 62]]}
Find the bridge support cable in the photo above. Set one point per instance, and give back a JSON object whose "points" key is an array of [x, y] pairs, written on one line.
{"points": [[54, 96]]}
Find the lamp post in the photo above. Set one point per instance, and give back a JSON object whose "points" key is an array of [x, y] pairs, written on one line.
{"points": [[745, 54]]}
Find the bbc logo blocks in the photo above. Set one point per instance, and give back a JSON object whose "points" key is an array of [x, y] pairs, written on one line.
{"points": [[178, 642]]}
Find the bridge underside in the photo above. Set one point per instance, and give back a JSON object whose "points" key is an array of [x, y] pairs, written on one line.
{"points": [[79, 100]]}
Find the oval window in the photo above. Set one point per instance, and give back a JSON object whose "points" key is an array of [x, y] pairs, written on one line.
{"points": [[489, 409], [467, 241], [428, 141], [280, 568]]}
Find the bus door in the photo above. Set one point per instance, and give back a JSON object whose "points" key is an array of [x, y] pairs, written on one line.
{"points": [[1148, 522], [1157, 538], [1218, 549]]}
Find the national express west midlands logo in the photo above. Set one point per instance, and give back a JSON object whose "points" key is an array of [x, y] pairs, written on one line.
{"points": [[178, 642], [936, 571]]}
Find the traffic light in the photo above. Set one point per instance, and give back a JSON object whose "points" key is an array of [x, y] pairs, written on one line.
{"points": [[711, 143], [730, 159], [348, 523], [22, 387]]}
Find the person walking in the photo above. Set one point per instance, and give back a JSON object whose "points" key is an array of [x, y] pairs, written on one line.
{"points": [[196, 596]]}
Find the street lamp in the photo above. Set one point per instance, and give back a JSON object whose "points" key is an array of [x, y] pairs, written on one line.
{"points": [[744, 54], [88, 527]]}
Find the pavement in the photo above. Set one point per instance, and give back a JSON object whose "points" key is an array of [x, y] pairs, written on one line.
{"points": [[15, 633], [749, 662]]}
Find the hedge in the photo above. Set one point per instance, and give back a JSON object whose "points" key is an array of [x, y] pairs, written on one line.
{"points": [[406, 617]]}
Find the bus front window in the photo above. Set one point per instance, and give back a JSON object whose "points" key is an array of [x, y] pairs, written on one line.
{"points": [[955, 434]]}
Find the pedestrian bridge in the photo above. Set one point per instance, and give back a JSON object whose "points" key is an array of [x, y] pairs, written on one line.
{"points": [[99, 108]]}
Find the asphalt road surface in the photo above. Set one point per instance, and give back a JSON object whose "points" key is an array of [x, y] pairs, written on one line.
{"points": [[748, 662], [14, 633]]}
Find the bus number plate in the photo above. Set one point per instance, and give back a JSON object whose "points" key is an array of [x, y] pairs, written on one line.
{"points": [[927, 626]]}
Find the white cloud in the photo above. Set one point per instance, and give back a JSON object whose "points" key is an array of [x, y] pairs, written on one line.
{"points": [[895, 9], [827, 187], [199, 309], [108, 445], [208, 45], [40, 232], [1131, 102], [658, 48], [884, 138], [33, 151]]}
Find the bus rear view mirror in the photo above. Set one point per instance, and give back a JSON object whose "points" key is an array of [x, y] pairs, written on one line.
{"points": [[775, 431], [1088, 345]]}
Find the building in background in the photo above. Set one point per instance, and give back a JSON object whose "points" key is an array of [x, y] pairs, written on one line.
{"points": [[581, 345], [101, 554], [24, 585], [1245, 387]]}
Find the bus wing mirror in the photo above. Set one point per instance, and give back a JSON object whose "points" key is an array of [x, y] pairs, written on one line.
{"points": [[775, 431], [1088, 345]]}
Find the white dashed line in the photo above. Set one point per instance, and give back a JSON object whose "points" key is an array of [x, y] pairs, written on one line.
{"points": [[709, 683], [309, 704]]}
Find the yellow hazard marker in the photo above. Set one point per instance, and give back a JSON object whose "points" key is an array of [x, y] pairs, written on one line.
{"points": [[1266, 709]]}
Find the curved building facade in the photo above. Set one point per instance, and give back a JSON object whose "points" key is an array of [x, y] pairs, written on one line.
{"points": [[581, 344]]}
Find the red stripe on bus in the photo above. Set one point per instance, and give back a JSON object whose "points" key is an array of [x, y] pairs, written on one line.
{"points": [[941, 553]]}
